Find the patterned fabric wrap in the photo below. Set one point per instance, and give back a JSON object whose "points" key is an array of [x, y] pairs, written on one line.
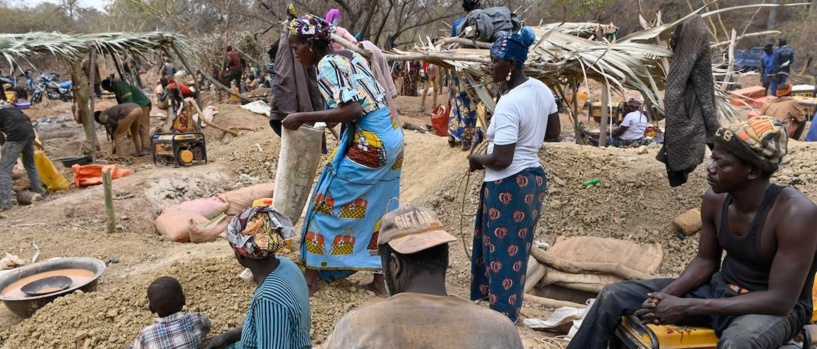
{"points": [[311, 27], [259, 232], [503, 234], [356, 188], [760, 141], [514, 46], [342, 80], [462, 121]]}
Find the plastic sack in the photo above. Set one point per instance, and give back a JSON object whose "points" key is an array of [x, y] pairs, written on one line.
{"points": [[439, 120], [50, 177], [241, 199], [297, 163], [207, 207], [88, 175], [176, 225], [209, 231]]}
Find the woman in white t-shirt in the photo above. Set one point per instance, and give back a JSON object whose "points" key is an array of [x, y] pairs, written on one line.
{"points": [[632, 127], [515, 182]]}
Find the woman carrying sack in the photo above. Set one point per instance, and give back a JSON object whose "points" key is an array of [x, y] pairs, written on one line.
{"points": [[362, 180]]}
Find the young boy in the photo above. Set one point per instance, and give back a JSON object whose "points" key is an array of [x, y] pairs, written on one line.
{"points": [[173, 329]]}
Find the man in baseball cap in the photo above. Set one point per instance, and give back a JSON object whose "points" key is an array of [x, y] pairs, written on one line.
{"points": [[413, 247]]}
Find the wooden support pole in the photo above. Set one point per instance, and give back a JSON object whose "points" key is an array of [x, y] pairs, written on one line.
{"points": [[551, 303], [187, 67], [605, 117], [89, 121], [222, 87], [587, 267], [118, 65], [110, 227]]}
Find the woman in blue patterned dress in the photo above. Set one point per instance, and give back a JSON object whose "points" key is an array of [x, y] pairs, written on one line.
{"points": [[361, 182], [462, 120]]}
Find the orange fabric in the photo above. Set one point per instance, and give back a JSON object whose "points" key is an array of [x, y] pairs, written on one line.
{"points": [[88, 175]]}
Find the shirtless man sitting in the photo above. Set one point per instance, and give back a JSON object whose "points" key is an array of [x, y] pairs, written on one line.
{"points": [[760, 297]]}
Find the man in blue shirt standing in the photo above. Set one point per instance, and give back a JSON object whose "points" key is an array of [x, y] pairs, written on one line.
{"points": [[766, 67], [782, 61]]}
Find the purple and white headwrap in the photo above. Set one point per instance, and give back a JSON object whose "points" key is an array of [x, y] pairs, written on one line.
{"points": [[259, 232], [333, 16], [514, 46], [311, 27]]}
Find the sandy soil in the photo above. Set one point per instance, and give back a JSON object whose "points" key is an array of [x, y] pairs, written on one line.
{"points": [[634, 202]]}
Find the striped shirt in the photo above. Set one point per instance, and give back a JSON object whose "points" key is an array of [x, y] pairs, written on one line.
{"points": [[279, 315]]}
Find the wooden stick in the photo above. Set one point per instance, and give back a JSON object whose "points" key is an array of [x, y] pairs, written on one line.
{"points": [[551, 303], [605, 101], [763, 33], [110, 227], [221, 86], [587, 267], [463, 41], [533, 279], [191, 101]]}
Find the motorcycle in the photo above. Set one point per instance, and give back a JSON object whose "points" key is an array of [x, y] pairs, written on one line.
{"points": [[50, 85]]}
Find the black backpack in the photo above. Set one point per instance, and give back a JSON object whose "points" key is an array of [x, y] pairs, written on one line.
{"points": [[490, 23]]}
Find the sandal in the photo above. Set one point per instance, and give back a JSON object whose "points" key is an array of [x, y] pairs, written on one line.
{"points": [[466, 145], [452, 142]]}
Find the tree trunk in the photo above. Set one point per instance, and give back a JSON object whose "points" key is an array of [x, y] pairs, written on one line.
{"points": [[772, 22], [81, 98]]}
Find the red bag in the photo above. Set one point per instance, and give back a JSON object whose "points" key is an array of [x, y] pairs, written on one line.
{"points": [[439, 120]]}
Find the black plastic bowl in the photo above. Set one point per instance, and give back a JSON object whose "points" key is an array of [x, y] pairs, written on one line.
{"points": [[26, 307], [48, 285], [75, 160]]}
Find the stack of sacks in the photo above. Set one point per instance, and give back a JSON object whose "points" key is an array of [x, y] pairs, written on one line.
{"points": [[206, 219]]}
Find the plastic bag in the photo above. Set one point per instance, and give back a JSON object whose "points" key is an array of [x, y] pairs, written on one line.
{"points": [[439, 120], [50, 177]]}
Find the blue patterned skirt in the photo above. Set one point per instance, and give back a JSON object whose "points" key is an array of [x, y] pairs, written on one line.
{"points": [[503, 234], [357, 187]]}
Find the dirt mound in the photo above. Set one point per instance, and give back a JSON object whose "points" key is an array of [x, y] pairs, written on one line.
{"points": [[113, 316]]}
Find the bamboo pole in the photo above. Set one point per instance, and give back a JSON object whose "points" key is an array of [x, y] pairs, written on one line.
{"points": [[551, 303], [89, 122], [222, 87], [605, 111], [744, 36], [110, 227], [588, 267]]}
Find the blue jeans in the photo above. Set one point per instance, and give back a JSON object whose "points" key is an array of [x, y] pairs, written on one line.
{"points": [[734, 332], [9, 153]]}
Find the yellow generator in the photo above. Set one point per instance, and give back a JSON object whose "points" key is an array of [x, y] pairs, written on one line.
{"points": [[178, 149], [632, 334]]}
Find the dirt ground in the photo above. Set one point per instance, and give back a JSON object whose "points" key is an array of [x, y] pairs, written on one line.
{"points": [[634, 202]]}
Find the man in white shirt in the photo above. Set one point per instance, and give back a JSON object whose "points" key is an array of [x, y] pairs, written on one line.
{"points": [[632, 128]]}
